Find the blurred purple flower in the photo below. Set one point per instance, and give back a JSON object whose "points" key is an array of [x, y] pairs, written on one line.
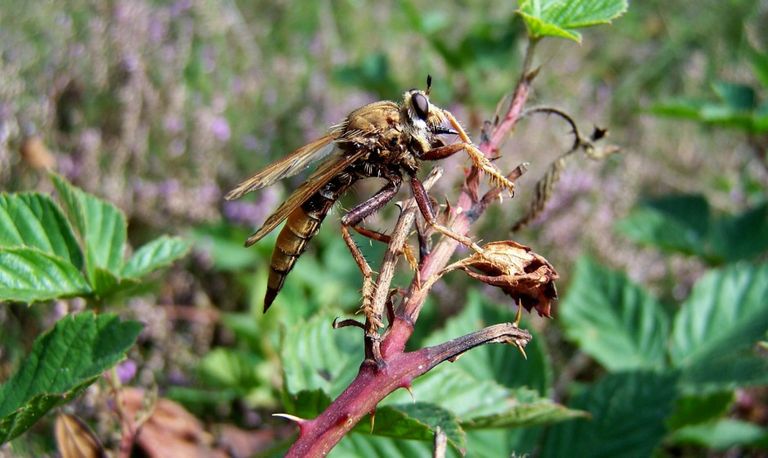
{"points": [[126, 370], [220, 128], [144, 189], [177, 147], [208, 192], [173, 124], [180, 6], [251, 143], [68, 167], [168, 188], [251, 213], [157, 30], [208, 57]]}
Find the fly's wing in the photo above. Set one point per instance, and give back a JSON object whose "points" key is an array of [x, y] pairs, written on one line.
{"points": [[287, 166], [325, 173]]}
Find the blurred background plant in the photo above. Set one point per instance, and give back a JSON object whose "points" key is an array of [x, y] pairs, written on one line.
{"points": [[159, 106]]}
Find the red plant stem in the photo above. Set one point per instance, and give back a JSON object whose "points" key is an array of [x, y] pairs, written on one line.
{"points": [[397, 368], [373, 383]]}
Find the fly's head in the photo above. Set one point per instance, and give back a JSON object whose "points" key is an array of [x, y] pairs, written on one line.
{"points": [[422, 121]]}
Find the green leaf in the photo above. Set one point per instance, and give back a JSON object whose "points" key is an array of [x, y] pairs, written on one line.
{"points": [[223, 245], [560, 18], [465, 394], [510, 443], [614, 320], [364, 445], [736, 369], [35, 221], [698, 408], [628, 411], [103, 282], [158, 253], [759, 63], [415, 421], [738, 97], [679, 108], [316, 356], [528, 410], [29, 275], [683, 224], [672, 223], [240, 371], [726, 312], [100, 225], [502, 363], [721, 435], [307, 403], [63, 362], [743, 236]]}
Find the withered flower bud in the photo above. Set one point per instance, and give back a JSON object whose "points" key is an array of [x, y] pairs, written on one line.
{"points": [[522, 274]]}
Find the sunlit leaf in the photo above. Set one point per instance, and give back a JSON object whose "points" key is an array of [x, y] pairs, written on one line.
{"points": [[721, 435], [613, 320], [316, 356], [415, 421], [63, 362], [501, 363], [29, 275], [100, 225], [35, 221], [560, 18], [364, 445], [527, 409], [725, 313], [158, 253]]}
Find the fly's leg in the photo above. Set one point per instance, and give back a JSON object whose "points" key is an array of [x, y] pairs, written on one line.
{"points": [[425, 207], [384, 238], [424, 245], [352, 219], [477, 156]]}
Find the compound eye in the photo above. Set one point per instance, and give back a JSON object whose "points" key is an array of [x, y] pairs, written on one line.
{"points": [[420, 105]]}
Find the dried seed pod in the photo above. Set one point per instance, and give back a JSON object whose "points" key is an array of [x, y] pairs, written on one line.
{"points": [[519, 272]]}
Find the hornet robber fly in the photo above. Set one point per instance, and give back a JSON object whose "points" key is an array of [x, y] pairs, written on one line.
{"points": [[384, 139]]}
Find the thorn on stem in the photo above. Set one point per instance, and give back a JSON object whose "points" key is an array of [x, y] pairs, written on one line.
{"points": [[373, 419], [407, 387], [301, 422], [522, 350], [453, 359]]}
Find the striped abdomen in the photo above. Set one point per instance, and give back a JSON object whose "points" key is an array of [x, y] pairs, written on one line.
{"points": [[300, 227]]}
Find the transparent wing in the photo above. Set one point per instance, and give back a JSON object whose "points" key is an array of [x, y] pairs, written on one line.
{"points": [[288, 166], [329, 169]]}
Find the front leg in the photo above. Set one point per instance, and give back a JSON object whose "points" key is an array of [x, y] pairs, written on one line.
{"points": [[352, 219], [478, 158]]}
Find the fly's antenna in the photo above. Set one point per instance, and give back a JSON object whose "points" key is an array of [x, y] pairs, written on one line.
{"points": [[429, 83]]}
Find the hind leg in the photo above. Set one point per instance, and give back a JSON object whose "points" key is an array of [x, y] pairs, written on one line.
{"points": [[355, 217]]}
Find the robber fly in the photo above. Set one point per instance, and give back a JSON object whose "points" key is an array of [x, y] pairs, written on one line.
{"points": [[383, 139]]}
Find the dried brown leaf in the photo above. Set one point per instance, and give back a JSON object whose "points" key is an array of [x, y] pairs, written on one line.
{"points": [[521, 273], [74, 439], [170, 429]]}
